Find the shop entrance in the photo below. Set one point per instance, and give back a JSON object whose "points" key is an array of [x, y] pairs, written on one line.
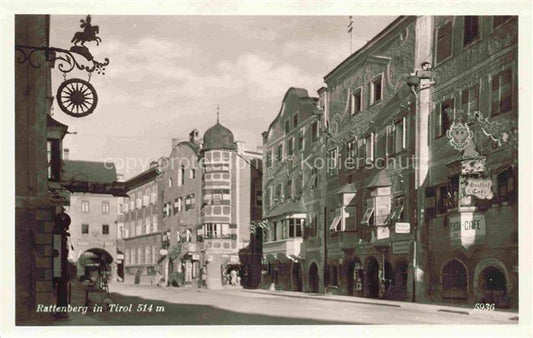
{"points": [[297, 277], [354, 278], [372, 279], [493, 287], [400, 280], [313, 278]]}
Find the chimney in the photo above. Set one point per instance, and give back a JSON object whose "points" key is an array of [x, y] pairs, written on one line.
{"points": [[175, 142], [65, 154], [194, 136]]}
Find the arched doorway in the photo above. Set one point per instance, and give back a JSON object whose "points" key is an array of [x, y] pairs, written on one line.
{"points": [[93, 263], [313, 278], [401, 274], [297, 277], [492, 284], [454, 281], [372, 280]]}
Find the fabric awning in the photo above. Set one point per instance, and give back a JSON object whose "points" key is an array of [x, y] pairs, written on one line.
{"points": [[272, 259], [366, 216], [395, 214], [335, 223]]}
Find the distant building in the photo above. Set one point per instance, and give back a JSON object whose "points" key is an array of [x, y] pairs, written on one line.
{"points": [[142, 235], [93, 216]]}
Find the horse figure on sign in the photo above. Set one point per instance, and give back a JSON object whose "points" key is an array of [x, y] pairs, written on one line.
{"points": [[88, 34]]}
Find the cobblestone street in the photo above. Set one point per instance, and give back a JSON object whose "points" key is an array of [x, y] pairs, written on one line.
{"points": [[192, 306]]}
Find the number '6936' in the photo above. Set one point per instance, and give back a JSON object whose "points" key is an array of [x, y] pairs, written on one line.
{"points": [[485, 306]]}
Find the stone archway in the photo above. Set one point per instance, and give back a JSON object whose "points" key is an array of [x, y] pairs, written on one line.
{"points": [[93, 262], [491, 282], [313, 278], [454, 280]]}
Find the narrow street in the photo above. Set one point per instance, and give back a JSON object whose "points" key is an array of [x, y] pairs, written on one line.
{"points": [[192, 306]]}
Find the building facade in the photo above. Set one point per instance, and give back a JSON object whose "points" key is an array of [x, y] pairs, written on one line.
{"points": [[369, 183], [93, 227], [142, 235], [230, 202], [38, 161], [291, 188], [180, 187], [473, 234]]}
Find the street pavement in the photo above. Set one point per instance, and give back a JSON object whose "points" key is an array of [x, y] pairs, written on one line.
{"points": [[152, 305]]}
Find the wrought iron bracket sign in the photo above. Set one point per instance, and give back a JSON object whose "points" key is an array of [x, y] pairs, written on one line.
{"points": [[75, 97]]}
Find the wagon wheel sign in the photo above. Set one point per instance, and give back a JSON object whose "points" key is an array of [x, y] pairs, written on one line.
{"points": [[77, 97]]}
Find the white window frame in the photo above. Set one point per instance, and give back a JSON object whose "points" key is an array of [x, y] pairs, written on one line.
{"points": [[372, 85]]}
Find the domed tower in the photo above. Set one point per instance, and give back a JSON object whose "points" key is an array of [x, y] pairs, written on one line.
{"points": [[219, 220]]}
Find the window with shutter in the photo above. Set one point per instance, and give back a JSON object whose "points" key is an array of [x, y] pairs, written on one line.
{"points": [[444, 41]]}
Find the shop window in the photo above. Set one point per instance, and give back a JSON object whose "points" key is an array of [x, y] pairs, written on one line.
{"points": [[454, 280], [444, 41], [471, 29], [85, 228], [376, 89], [444, 117], [333, 275], [501, 93], [105, 229]]}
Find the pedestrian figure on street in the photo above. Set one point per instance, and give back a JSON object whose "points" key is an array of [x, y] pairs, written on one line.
{"points": [[233, 277], [203, 277]]}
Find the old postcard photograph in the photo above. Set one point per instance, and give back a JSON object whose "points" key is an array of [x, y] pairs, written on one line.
{"points": [[260, 169]]}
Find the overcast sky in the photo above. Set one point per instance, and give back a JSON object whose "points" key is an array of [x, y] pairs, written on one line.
{"points": [[168, 73]]}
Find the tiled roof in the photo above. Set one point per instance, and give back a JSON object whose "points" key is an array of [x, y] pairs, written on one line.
{"points": [[99, 172]]}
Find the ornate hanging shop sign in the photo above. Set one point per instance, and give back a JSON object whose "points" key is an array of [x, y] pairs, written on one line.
{"points": [[75, 97], [479, 187]]}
